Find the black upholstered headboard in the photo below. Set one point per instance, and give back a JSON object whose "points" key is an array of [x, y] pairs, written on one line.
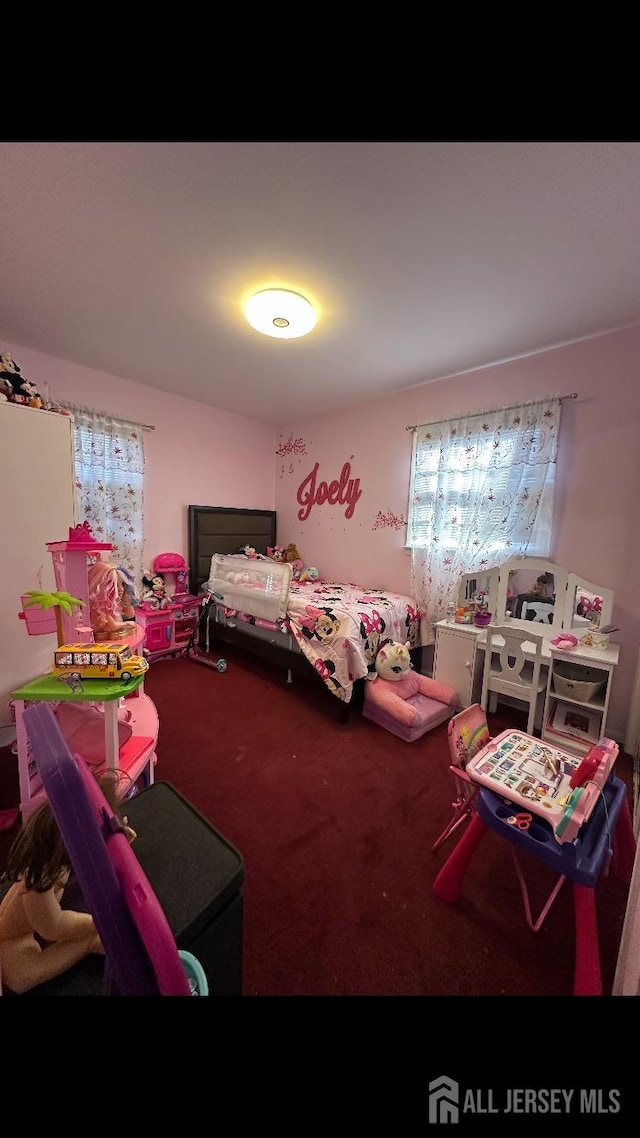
{"points": [[217, 529]]}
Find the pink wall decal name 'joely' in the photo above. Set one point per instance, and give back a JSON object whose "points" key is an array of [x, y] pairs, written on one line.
{"points": [[344, 491]]}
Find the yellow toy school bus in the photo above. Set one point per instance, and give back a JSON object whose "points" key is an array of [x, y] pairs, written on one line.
{"points": [[103, 661]]}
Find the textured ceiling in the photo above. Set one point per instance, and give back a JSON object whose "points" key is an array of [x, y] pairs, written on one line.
{"points": [[424, 259]]}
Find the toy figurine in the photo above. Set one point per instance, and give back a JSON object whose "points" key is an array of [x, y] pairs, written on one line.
{"points": [[107, 597]]}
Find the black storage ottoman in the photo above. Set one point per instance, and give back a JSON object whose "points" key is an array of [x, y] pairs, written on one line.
{"points": [[197, 876]]}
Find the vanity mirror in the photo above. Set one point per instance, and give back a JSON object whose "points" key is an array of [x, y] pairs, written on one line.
{"points": [[532, 588], [587, 605], [481, 582]]}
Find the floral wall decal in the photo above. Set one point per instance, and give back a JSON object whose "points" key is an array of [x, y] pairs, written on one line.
{"points": [[388, 520], [291, 448]]}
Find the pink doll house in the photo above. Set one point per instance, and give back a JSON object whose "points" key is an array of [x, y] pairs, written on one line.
{"points": [[107, 723], [70, 567], [79, 569]]}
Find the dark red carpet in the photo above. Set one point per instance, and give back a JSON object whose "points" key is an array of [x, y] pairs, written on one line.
{"points": [[335, 824]]}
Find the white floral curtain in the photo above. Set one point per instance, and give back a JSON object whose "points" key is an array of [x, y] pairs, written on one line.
{"points": [[109, 469], [482, 490]]}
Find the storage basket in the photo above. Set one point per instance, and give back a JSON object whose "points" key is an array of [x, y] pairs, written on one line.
{"points": [[577, 682]]}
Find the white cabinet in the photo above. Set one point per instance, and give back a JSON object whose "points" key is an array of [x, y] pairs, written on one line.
{"points": [[575, 714], [457, 661], [36, 473]]}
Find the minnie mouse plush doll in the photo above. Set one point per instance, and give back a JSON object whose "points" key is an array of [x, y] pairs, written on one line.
{"points": [[154, 595]]}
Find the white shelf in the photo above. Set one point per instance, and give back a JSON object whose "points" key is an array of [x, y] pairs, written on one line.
{"points": [[594, 709], [569, 743], [592, 704]]}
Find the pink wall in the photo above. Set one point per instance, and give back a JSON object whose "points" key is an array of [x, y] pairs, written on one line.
{"points": [[201, 455], [595, 529], [197, 455]]}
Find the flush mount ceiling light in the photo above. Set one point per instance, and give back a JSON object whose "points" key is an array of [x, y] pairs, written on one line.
{"points": [[280, 312]]}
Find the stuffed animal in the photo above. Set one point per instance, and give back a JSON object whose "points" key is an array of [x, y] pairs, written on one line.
{"points": [[543, 586], [275, 552], [291, 554], [31, 392], [10, 378], [308, 573], [393, 660], [241, 578], [154, 595], [404, 701], [15, 387]]}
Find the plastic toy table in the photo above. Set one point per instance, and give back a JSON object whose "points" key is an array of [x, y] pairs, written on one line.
{"points": [[581, 861]]}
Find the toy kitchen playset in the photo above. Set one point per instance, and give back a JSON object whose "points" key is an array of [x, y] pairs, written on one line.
{"points": [[167, 612]]}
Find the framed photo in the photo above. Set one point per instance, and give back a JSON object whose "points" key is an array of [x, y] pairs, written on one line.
{"points": [[576, 722]]}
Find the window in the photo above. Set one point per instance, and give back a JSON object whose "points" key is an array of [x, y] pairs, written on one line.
{"points": [[487, 482], [481, 492], [109, 470]]}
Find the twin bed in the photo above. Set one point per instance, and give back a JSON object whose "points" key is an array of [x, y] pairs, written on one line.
{"points": [[332, 628]]}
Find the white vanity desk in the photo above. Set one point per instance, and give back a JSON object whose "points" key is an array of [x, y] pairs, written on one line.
{"points": [[460, 652]]}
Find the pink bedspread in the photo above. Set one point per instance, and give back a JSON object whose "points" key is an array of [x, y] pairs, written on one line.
{"points": [[339, 628]]}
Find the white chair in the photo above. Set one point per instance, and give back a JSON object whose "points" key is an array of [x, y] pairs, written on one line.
{"points": [[543, 611], [508, 672]]}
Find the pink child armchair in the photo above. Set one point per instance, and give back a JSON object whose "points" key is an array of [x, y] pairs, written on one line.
{"points": [[405, 702]]}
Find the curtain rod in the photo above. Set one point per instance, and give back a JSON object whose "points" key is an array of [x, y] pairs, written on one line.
{"points": [[109, 415], [434, 422]]}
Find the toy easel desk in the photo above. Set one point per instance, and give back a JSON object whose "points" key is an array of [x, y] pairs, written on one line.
{"points": [[553, 833]]}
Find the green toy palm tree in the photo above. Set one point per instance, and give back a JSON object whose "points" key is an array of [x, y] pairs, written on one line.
{"points": [[58, 601]]}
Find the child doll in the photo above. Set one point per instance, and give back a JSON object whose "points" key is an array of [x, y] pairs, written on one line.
{"points": [[108, 602], [40, 940]]}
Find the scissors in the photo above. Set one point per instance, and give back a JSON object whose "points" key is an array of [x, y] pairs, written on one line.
{"points": [[522, 821]]}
